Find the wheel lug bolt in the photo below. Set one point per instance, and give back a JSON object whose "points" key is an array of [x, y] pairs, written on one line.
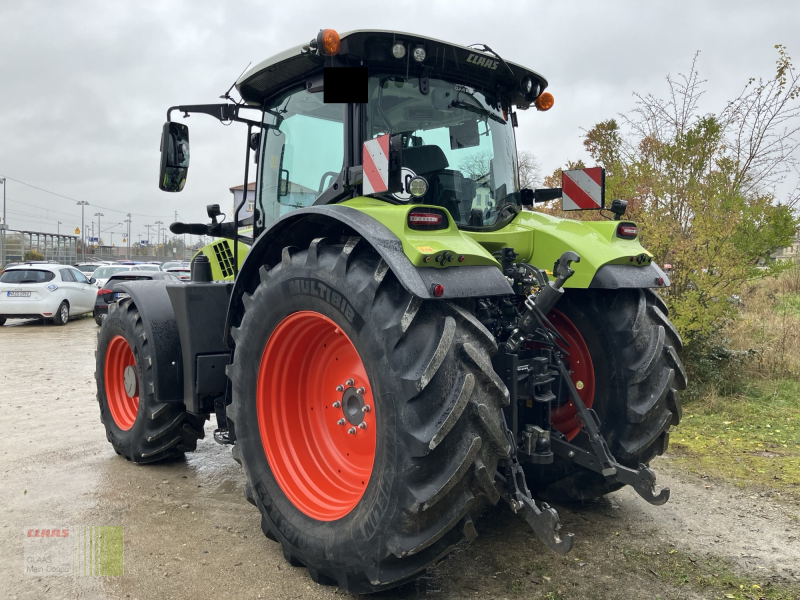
{"points": [[366, 408], [352, 431], [361, 390], [337, 404], [362, 425], [340, 422], [349, 382], [340, 388]]}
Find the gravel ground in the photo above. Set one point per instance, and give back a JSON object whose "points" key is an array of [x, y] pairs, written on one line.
{"points": [[189, 533]]}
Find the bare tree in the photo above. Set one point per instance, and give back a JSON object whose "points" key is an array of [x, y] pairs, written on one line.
{"points": [[530, 170]]}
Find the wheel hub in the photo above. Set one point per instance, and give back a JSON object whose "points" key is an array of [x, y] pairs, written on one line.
{"points": [[129, 378], [353, 406]]}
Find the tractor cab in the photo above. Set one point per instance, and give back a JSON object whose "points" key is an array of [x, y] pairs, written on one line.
{"points": [[449, 108]]}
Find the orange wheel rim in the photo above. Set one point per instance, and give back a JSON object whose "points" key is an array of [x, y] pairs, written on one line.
{"points": [[582, 375], [122, 382], [316, 415]]}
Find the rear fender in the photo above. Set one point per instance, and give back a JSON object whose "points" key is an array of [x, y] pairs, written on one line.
{"points": [[301, 226]]}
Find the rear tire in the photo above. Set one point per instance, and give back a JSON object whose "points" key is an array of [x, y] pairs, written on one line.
{"points": [[2, 322], [138, 427], [99, 320], [436, 414], [638, 375], [62, 314]]}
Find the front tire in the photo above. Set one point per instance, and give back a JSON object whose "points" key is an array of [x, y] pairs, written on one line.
{"points": [[633, 349], [380, 505], [138, 427]]}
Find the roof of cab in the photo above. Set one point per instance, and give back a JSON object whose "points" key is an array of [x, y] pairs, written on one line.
{"points": [[373, 47]]}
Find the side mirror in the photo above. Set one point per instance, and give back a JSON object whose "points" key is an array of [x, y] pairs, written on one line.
{"points": [[92, 280], [174, 157]]}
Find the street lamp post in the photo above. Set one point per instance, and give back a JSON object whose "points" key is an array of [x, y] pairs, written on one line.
{"points": [[158, 234], [83, 203], [98, 215], [4, 228], [128, 221], [149, 243]]}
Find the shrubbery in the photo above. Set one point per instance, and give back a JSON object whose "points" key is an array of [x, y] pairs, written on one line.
{"points": [[702, 189]]}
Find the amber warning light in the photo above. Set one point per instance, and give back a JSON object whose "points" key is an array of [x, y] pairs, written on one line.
{"points": [[328, 42], [545, 101]]}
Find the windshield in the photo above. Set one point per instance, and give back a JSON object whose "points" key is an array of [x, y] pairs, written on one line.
{"points": [[147, 268], [26, 276], [106, 272], [457, 138]]}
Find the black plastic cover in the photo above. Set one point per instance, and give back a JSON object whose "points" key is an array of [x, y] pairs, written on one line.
{"points": [[200, 310], [613, 277]]}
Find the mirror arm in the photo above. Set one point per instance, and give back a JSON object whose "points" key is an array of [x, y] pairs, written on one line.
{"points": [[223, 112]]}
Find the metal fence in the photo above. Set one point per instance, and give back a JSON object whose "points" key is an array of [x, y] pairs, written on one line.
{"points": [[18, 246]]}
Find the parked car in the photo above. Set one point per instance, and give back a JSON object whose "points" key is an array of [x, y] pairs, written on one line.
{"points": [[184, 273], [110, 294], [49, 291], [90, 267], [102, 274], [146, 267], [170, 264]]}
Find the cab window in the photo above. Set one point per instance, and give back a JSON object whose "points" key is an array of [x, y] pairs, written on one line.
{"points": [[302, 152]]}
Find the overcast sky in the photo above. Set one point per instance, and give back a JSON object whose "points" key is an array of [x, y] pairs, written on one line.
{"points": [[84, 86]]}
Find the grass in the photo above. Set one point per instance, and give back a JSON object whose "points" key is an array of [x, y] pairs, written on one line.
{"points": [[751, 438], [682, 570]]}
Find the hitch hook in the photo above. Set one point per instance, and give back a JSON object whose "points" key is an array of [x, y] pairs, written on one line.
{"points": [[643, 481], [546, 526]]}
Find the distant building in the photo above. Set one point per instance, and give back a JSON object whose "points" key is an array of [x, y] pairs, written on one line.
{"points": [[297, 196], [791, 252], [247, 209]]}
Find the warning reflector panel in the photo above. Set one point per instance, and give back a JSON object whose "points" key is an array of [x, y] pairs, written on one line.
{"points": [[583, 189], [375, 162]]}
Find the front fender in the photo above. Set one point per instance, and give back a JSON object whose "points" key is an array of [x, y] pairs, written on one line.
{"points": [[161, 332], [300, 227]]}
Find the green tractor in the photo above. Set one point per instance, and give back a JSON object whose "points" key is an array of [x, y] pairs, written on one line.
{"points": [[389, 340]]}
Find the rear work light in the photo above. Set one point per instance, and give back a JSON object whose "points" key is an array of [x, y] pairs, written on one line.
{"points": [[103, 291], [427, 219], [627, 231]]}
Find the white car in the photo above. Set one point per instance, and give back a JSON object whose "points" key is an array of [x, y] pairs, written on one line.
{"points": [[146, 267], [102, 274], [45, 291]]}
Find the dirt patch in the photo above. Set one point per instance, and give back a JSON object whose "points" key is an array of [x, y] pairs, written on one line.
{"points": [[190, 533]]}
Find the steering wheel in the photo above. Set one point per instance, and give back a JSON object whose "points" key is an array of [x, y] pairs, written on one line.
{"points": [[322, 185]]}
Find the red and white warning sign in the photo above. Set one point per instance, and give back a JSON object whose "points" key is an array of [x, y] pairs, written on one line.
{"points": [[583, 189], [376, 165]]}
